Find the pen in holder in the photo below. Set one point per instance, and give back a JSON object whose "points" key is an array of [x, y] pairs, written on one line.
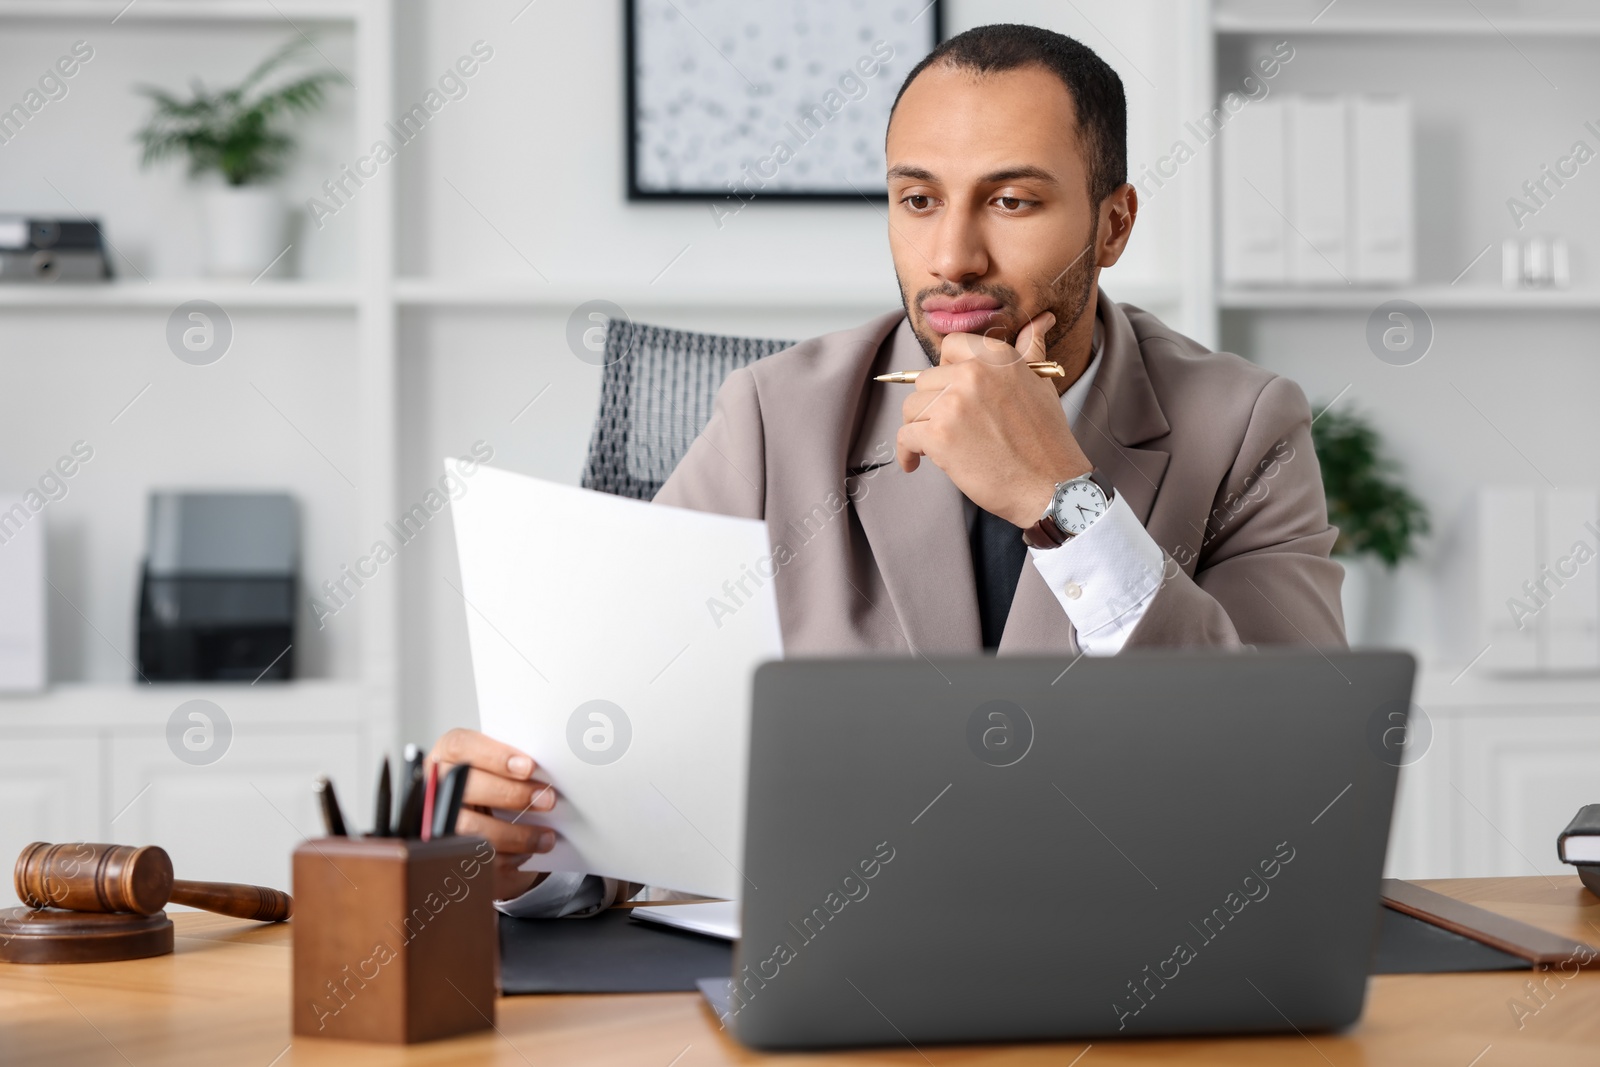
{"points": [[395, 940]]}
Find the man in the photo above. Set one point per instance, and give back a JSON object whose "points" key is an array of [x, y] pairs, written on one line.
{"points": [[1154, 495]]}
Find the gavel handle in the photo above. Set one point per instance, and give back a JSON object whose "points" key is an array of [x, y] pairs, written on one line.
{"points": [[229, 898]]}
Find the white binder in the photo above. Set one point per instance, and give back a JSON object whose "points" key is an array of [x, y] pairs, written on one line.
{"points": [[1318, 195], [1383, 246], [1508, 556], [1572, 626], [1254, 207]]}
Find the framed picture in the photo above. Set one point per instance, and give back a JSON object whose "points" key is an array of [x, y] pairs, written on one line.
{"points": [[785, 99]]}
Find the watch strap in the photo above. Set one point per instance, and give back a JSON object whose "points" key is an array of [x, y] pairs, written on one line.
{"points": [[1045, 534]]}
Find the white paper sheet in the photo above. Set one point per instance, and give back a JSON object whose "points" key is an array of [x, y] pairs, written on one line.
{"points": [[575, 597], [714, 918]]}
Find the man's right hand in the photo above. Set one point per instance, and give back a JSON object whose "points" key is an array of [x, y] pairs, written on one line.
{"points": [[502, 777]]}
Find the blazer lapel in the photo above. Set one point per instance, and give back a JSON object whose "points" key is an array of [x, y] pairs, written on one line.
{"points": [[915, 523], [1120, 413]]}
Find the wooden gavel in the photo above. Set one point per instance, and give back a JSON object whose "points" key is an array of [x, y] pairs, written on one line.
{"points": [[122, 878]]}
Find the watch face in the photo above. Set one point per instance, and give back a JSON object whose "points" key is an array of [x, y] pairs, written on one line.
{"points": [[1077, 505]]}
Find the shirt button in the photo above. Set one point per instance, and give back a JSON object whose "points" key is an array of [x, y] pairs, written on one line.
{"points": [[1073, 590]]}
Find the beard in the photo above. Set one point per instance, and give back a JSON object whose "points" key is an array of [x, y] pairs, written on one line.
{"points": [[1066, 294]]}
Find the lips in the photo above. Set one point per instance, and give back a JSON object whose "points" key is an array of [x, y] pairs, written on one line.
{"points": [[964, 314]]}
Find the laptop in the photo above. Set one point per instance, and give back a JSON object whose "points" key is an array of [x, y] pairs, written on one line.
{"points": [[994, 849]]}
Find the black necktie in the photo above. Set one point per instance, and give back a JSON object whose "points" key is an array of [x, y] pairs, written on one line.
{"points": [[997, 557]]}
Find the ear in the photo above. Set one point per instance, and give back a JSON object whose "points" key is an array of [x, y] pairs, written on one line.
{"points": [[1117, 214]]}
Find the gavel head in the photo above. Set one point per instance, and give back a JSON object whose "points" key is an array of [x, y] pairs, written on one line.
{"points": [[86, 877]]}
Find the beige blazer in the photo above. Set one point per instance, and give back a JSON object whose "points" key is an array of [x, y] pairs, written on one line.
{"points": [[1212, 453]]}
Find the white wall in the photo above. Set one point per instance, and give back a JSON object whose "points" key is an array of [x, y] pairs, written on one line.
{"points": [[1143, 42], [537, 146]]}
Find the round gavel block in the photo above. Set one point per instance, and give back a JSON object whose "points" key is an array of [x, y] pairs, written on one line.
{"points": [[91, 877], [31, 935]]}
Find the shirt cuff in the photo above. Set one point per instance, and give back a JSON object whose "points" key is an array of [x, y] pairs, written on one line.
{"points": [[561, 895], [1105, 578]]}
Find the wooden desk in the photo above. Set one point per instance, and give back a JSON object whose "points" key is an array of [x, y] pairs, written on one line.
{"points": [[223, 998]]}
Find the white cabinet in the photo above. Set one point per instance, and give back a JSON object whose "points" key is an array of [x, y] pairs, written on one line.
{"points": [[1417, 846], [93, 763], [238, 819], [1526, 776], [1510, 763], [50, 790]]}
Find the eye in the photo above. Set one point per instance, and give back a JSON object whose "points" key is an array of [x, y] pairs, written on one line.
{"points": [[1013, 203], [917, 202]]}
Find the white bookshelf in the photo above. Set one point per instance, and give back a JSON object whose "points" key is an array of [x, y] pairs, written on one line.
{"points": [[563, 296], [294, 705], [91, 759], [110, 12], [1509, 757], [118, 30], [429, 293], [165, 295], [1379, 18], [1381, 26], [1428, 297]]}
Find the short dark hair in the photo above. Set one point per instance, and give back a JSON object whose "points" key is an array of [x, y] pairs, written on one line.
{"points": [[1096, 90]]}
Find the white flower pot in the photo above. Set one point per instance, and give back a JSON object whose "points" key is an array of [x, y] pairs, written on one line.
{"points": [[1369, 600], [244, 228]]}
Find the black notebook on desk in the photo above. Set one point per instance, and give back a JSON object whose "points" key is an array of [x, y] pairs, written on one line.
{"points": [[1579, 845]]}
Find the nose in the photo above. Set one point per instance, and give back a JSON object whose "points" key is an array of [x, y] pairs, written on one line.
{"points": [[959, 254]]}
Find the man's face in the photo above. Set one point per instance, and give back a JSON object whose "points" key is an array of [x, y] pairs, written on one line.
{"points": [[990, 220]]}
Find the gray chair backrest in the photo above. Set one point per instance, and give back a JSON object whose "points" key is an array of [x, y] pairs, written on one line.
{"points": [[655, 399]]}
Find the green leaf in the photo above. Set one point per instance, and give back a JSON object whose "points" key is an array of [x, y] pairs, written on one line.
{"points": [[228, 132], [1374, 511]]}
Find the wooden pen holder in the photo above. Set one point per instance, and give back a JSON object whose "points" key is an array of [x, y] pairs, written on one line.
{"points": [[394, 940]]}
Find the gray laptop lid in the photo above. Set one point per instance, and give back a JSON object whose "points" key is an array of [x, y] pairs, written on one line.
{"points": [[1006, 848]]}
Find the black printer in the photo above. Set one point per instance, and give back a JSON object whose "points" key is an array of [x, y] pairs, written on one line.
{"points": [[217, 597]]}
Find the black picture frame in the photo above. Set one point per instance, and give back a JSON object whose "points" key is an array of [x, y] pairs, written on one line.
{"points": [[635, 193]]}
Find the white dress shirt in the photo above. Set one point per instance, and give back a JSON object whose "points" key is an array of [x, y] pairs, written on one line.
{"points": [[562, 894], [1104, 578]]}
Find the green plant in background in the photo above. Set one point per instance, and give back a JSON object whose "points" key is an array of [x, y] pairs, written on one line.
{"points": [[234, 132], [1376, 514]]}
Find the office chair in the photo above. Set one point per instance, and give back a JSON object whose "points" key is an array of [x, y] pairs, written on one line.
{"points": [[655, 399]]}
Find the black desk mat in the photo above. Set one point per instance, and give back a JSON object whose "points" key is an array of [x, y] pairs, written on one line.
{"points": [[610, 953], [613, 953], [1408, 945]]}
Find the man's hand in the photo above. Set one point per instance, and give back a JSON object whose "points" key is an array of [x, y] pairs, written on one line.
{"points": [[501, 777], [994, 426]]}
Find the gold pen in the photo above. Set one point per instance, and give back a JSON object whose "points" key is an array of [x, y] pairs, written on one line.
{"points": [[1044, 368]]}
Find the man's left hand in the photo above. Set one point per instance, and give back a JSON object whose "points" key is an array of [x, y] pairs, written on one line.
{"points": [[992, 424]]}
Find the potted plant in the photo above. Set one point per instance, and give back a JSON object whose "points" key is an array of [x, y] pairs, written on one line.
{"points": [[1379, 519], [237, 135]]}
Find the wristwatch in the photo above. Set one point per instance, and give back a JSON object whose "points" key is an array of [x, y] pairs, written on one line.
{"points": [[1074, 507]]}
